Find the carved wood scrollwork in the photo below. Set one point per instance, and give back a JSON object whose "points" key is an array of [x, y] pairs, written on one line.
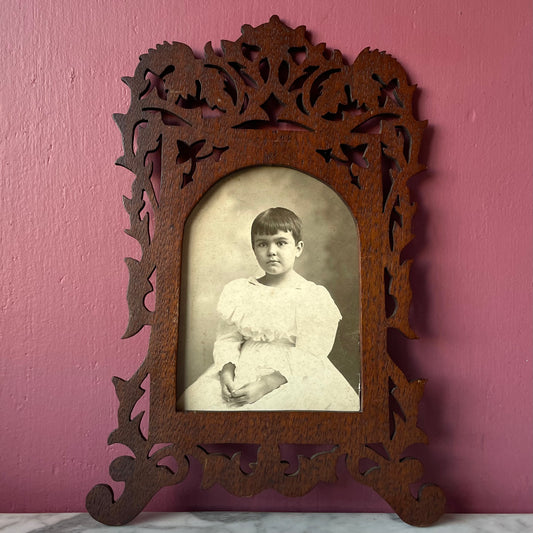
{"points": [[269, 98]]}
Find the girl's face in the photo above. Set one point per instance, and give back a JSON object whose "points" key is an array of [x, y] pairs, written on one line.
{"points": [[276, 253]]}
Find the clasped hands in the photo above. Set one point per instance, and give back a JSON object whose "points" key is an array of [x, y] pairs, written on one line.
{"points": [[251, 392]]}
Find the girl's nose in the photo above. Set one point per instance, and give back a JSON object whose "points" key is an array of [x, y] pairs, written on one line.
{"points": [[271, 249]]}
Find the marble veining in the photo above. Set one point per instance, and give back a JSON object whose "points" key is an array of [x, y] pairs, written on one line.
{"points": [[226, 522]]}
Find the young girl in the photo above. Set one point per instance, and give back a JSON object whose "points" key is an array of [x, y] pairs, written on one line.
{"points": [[274, 335]]}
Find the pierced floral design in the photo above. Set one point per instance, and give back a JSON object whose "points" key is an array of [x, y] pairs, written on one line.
{"points": [[187, 122]]}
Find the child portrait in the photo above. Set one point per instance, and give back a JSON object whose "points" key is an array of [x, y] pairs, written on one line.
{"points": [[270, 297]]}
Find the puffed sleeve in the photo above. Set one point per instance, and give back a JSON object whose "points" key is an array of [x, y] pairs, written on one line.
{"points": [[317, 319], [227, 347]]}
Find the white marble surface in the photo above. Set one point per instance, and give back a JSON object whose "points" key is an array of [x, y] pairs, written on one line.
{"points": [[223, 522]]}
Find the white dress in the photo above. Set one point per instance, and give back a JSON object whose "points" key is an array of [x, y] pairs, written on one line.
{"points": [[264, 329]]}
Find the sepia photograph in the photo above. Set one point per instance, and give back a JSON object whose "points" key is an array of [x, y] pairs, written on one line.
{"points": [[270, 297]]}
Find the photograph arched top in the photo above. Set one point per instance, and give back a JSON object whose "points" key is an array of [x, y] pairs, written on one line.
{"points": [[295, 337]]}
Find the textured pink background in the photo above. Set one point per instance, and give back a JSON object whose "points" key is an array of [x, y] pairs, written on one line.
{"points": [[63, 298]]}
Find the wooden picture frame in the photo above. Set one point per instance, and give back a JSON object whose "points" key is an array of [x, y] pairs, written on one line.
{"points": [[271, 98]]}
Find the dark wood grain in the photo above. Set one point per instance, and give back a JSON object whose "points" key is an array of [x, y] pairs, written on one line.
{"points": [[269, 98]]}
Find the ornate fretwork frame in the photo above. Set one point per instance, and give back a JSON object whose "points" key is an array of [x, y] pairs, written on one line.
{"points": [[269, 98]]}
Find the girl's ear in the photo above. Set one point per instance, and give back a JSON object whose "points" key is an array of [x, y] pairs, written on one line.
{"points": [[299, 248]]}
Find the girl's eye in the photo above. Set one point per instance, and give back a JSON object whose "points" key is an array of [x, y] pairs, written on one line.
{"points": [[282, 243]]}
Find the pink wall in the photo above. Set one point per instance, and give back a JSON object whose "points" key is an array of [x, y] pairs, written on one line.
{"points": [[63, 298]]}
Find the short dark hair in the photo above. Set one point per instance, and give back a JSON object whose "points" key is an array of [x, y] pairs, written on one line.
{"points": [[276, 219]]}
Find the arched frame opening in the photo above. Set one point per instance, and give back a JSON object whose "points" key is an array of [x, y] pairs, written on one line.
{"points": [[217, 250]]}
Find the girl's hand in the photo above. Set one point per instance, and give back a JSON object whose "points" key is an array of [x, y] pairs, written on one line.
{"points": [[251, 392], [227, 377]]}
